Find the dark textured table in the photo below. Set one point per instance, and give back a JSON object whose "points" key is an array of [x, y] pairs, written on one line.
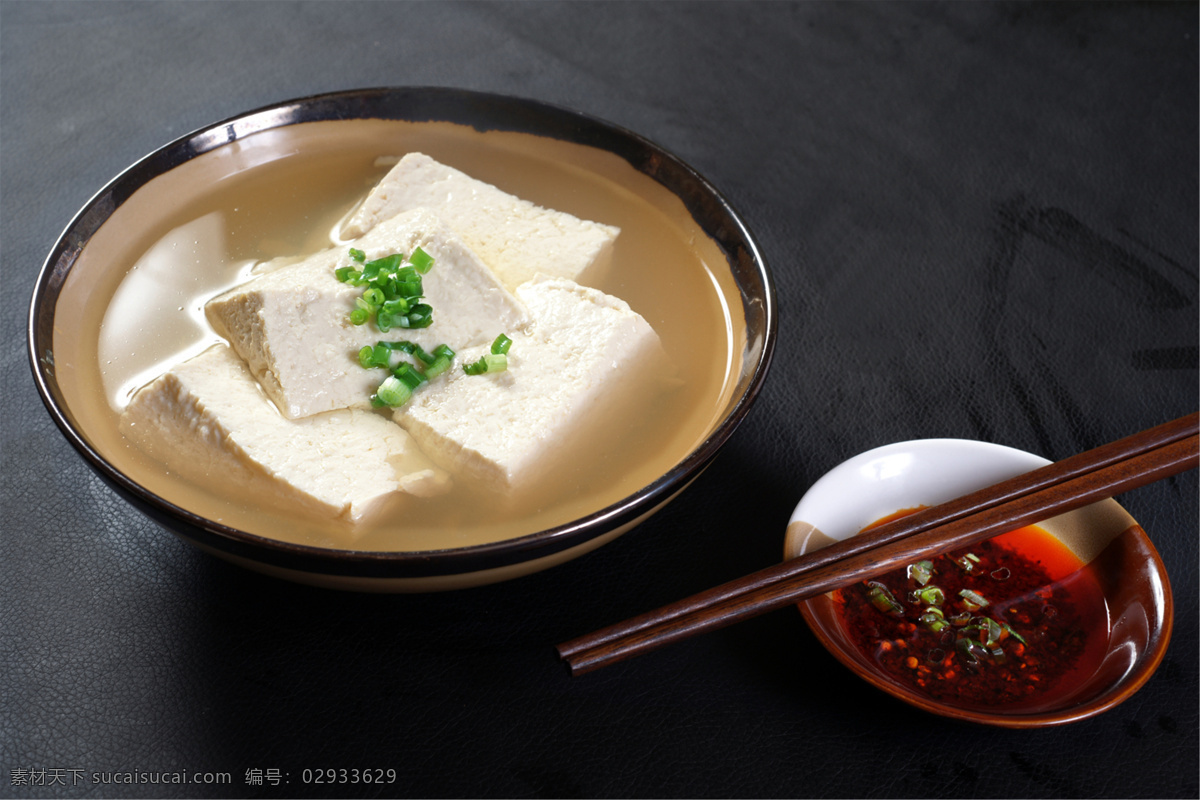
{"points": [[982, 221]]}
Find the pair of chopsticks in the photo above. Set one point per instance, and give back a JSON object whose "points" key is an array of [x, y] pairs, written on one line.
{"points": [[1026, 499]]}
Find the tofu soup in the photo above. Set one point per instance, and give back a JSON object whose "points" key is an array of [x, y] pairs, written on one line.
{"points": [[230, 383]]}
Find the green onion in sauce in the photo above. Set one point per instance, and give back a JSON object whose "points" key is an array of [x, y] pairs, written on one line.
{"points": [[1002, 624]]}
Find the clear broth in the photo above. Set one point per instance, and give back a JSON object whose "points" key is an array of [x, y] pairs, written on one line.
{"points": [[170, 248]]}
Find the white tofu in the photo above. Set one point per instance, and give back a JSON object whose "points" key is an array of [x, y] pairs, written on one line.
{"points": [[291, 324], [514, 237], [587, 358], [206, 418]]}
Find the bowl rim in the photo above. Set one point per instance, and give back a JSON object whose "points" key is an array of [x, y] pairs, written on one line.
{"points": [[483, 111], [1122, 690]]}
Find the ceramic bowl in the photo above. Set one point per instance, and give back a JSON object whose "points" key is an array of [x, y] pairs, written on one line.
{"points": [[283, 154], [908, 475]]}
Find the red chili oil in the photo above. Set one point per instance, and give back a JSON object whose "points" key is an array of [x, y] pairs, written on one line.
{"points": [[1048, 629]]}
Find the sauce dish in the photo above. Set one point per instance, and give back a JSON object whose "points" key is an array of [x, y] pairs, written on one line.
{"points": [[1130, 605]]}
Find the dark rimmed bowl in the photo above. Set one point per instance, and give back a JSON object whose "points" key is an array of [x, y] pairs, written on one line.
{"points": [[80, 261]]}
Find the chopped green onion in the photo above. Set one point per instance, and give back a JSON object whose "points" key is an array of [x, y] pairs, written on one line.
{"points": [[933, 619], [495, 361], [990, 632], [426, 358], [391, 297], [972, 599], [386, 264], [1008, 629], [414, 349], [439, 365], [441, 357], [882, 599], [396, 307], [407, 283], [931, 595], [967, 562], [970, 650], [487, 363], [921, 572], [501, 345], [392, 290], [374, 357], [373, 296], [419, 316], [421, 260], [411, 376], [392, 392]]}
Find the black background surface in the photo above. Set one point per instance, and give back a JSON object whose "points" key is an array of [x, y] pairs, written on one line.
{"points": [[982, 221]]}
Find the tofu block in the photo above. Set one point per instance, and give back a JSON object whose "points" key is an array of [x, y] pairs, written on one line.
{"points": [[291, 324], [514, 237], [586, 359], [206, 418]]}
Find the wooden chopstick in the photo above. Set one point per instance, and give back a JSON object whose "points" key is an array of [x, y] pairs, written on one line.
{"points": [[1026, 499], [1004, 491]]}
